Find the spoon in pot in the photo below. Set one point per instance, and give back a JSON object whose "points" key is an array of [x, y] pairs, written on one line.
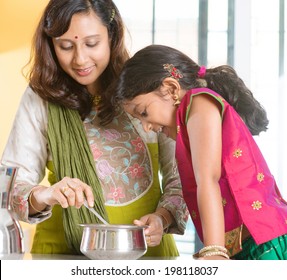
{"points": [[95, 212]]}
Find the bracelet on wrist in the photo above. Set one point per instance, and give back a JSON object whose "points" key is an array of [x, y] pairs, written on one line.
{"points": [[214, 253], [213, 247], [31, 204], [213, 250]]}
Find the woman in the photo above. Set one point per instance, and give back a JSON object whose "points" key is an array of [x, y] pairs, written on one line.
{"points": [[78, 51]]}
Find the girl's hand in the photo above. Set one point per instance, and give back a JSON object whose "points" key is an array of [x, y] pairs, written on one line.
{"points": [[67, 192], [154, 231]]}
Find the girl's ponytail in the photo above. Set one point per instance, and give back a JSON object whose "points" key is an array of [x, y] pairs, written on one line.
{"points": [[225, 81]]}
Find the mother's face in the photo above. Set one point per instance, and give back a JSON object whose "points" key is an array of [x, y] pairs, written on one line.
{"points": [[83, 51]]}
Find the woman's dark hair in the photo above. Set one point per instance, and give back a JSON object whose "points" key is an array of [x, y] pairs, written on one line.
{"points": [[47, 78], [144, 72]]}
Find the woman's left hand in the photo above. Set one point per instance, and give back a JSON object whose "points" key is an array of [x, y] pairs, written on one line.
{"points": [[154, 231]]}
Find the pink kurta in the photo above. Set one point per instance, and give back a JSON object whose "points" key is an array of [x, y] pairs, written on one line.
{"points": [[249, 192]]}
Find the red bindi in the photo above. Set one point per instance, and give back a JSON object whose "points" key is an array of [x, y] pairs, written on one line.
{"points": [[76, 37]]}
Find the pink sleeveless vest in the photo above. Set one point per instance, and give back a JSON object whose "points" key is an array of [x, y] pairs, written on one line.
{"points": [[249, 192]]}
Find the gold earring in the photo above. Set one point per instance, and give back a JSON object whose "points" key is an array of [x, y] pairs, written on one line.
{"points": [[176, 100]]}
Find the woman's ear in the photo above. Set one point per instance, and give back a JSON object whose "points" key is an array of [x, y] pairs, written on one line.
{"points": [[172, 87]]}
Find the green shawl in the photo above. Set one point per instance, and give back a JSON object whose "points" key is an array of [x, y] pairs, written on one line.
{"points": [[72, 157]]}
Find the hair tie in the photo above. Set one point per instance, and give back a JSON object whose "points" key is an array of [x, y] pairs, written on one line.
{"points": [[201, 72]]}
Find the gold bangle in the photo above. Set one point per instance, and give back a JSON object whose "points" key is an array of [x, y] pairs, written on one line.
{"points": [[215, 253], [213, 248], [31, 204]]}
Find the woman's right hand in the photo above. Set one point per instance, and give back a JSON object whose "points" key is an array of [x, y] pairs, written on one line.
{"points": [[67, 192]]}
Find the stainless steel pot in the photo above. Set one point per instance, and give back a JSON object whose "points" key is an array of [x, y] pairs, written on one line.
{"points": [[11, 234], [113, 242]]}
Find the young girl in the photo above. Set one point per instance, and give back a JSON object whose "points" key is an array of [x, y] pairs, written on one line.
{"points": [[232, 197]]}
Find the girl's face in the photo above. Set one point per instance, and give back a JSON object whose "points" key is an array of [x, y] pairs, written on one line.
{"points": [[155, 111], [83, 51]]}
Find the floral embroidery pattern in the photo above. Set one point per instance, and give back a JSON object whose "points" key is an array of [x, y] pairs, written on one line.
{"points": [[116, 193], [111, 134], [121, 158], [136, 171], [193, 214], [138, 143], [20, 199], [224, 202], [174, 168], [97, 153], [21, 203], [260, 177], [233, 241], [237, 153], [104, 169], [256, 205]]}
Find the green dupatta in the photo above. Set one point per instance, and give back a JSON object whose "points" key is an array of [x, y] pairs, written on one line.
{"points": [[72, 157]]}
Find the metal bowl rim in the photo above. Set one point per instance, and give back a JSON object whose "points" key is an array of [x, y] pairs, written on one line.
{"points": [[113, 226]]}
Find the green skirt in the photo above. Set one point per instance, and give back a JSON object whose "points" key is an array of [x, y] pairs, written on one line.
{"points": [[275, 249]]}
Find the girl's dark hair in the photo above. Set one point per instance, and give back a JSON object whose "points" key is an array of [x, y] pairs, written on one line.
{"points": [[47, 78], [144, 72]]}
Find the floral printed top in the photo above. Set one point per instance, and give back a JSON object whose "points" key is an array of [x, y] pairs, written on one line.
{"points": [[122, 159]]}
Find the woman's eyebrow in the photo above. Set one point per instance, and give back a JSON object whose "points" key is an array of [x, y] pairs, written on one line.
{"points": [[70, 40]]}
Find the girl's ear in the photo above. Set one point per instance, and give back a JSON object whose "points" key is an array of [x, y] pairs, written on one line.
{"points": [[172, 86]]}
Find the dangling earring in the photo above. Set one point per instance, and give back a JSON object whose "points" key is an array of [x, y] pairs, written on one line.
{"points": [[176, 100]]}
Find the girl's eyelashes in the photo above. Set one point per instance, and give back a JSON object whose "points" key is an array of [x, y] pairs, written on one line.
{"points": [[143, 113]]}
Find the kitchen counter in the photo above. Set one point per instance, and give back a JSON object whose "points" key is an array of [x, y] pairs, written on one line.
{"points": [[28, 256]]}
